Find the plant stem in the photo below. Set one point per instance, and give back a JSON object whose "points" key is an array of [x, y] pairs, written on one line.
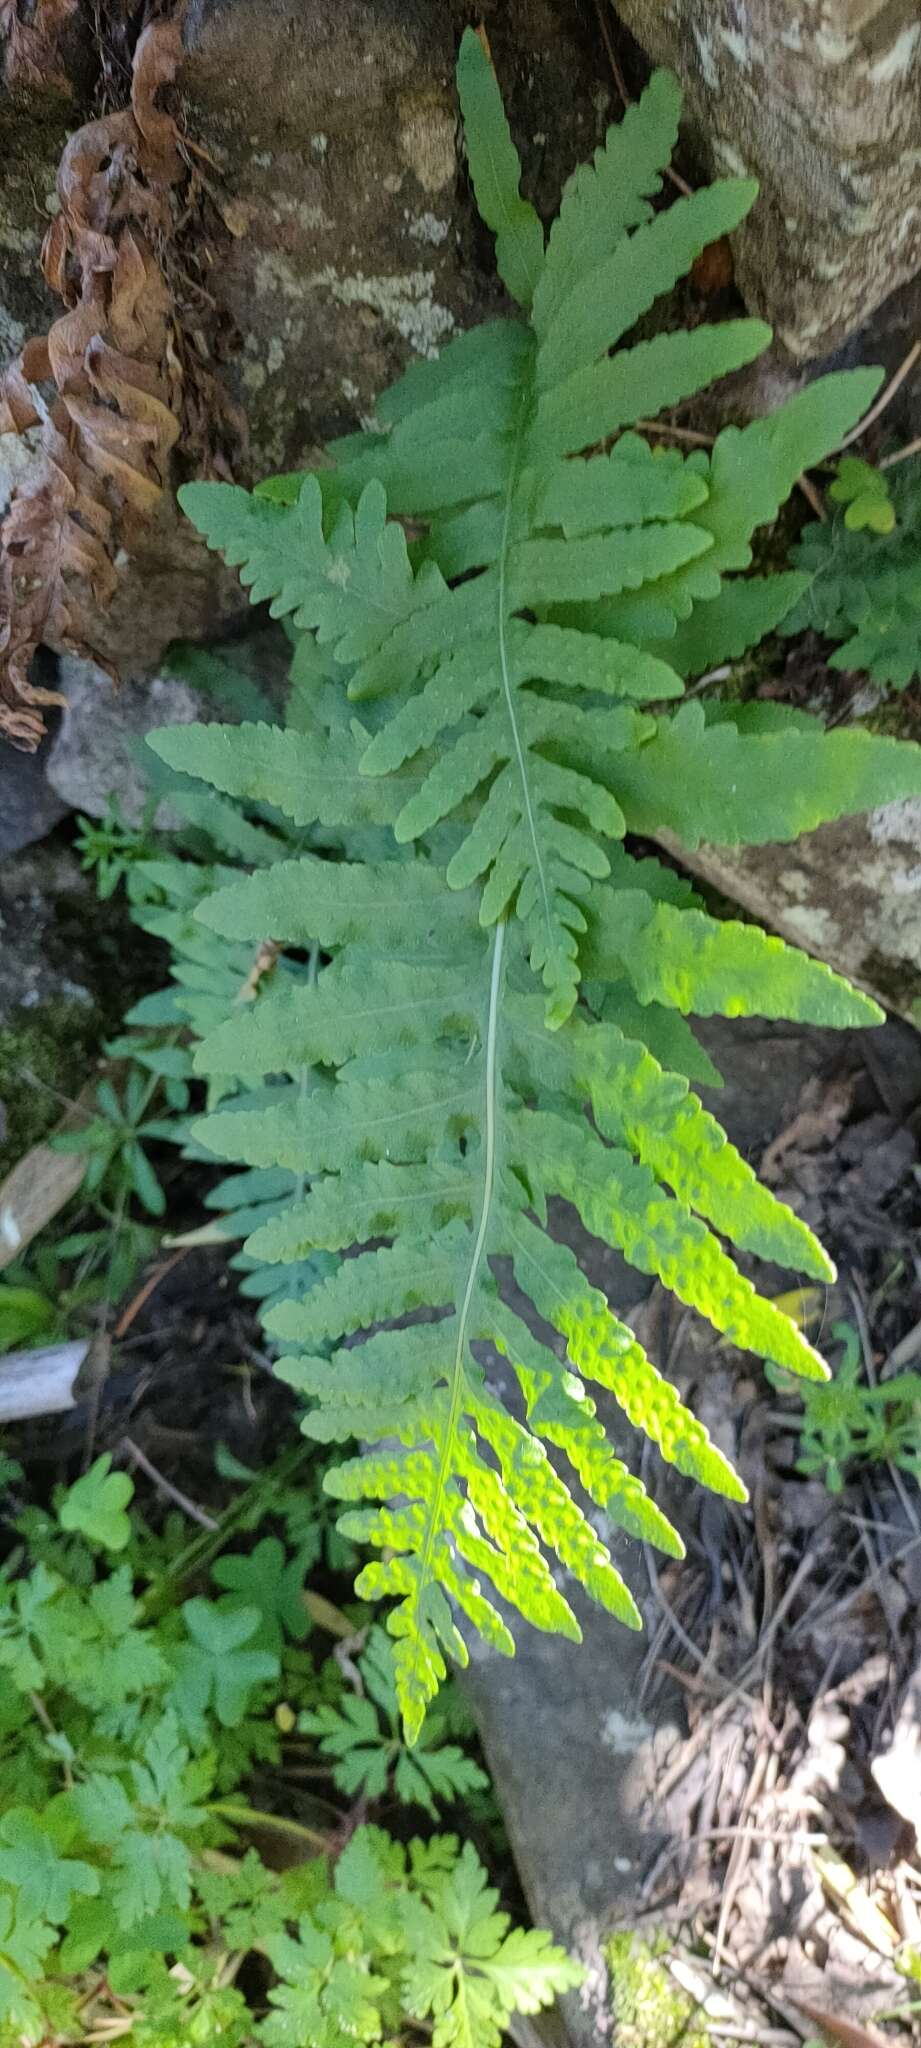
{"points": [[251, 1816]]}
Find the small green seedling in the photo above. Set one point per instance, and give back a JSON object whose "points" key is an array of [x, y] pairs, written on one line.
{"points": [[865, 493]]}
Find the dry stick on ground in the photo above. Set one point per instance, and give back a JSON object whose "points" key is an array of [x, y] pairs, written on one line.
{"points": [[813, 498], [739, 1855], [668, 428], [901, 454], [712, 1720], [165, 1486], [144, 1293], [885, 398], [701, 1657], [908, 1347]]}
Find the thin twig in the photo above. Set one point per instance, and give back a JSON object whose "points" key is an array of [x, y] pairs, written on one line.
{"points": [[885, 399], [813, 498], [908, 1347], [839, 1607], [243, 1816], [165, 1486], [901, 454], [687, 1642], [144, 1293], [796, 1835], [666, 427], [738, 1858]]}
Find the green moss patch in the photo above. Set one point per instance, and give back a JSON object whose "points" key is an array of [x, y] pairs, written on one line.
{"points": [[46, 1054], [649, 2009]]}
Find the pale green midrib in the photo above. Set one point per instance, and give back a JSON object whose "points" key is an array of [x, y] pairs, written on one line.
{"points": [[313, 967], [504, 670], [456, 1385]]}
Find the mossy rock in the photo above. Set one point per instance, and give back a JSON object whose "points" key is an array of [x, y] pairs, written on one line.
{"points": [[46, 1055], [650, 2011]]}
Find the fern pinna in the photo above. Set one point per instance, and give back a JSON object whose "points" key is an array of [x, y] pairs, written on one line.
{"points": [[480, 739]]}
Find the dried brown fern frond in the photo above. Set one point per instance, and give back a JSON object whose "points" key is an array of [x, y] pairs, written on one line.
{"points": [[32, 55], [112, 363]]}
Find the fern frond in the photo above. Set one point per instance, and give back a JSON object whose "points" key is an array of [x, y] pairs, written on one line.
{"points": [[449, 1145], [481, 715], [704, 776], [496, 173]]}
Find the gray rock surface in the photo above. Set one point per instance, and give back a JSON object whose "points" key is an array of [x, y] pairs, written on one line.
{"points": [[359, 247], [849, 893], [29, 807], [821, 102], [95, 754]]}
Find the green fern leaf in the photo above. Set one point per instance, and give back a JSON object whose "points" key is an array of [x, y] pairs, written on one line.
{"points": [[742, 614], [411, 1097], [496, 171], [706, 780], [446, 1156], [696, 963], [606, 197]]}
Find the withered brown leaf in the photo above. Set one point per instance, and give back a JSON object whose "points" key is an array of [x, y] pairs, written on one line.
{"points": [[112, 419]]}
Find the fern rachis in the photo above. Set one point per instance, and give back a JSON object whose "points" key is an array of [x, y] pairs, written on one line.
{"points": [[483, 715]]}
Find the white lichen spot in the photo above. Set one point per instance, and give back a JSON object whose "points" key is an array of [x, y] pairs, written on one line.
{"points": [[12, 336], [738, 46], [19, 453], [792, 36], [832, 47], [793, 338], [319, 144], [263, 159], [899, 821], [308, 216], [865, 700], [862, 220], [729, 156], [897, 58], [253, 375], [426, 141], [9, 1229], [829, 268], [622, 1735], [22, 240], [815, 925], [405, 302], [428, 228], [349, 388], [275, 278], [393, 182], [706, 58], [275, 355]]}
